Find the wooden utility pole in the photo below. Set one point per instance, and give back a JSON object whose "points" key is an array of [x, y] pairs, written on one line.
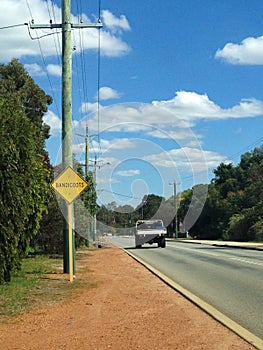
{"points": [[67, 159]]}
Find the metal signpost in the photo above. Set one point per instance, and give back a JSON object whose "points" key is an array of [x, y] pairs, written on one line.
{"points": [[69, 185]]}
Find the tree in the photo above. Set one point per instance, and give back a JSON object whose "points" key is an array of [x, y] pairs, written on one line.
{"points": [[238, 227], [20, 87], [85, 209], [24, 167], [49, 239], [149, 207], [23, 185]]}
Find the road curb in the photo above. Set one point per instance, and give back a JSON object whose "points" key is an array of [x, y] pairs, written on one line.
{"points": [[241, 245], [210, 310]]}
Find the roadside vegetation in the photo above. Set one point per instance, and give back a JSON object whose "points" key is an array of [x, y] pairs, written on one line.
{"points": [[30, 215], [233, 208], [39, 281]]}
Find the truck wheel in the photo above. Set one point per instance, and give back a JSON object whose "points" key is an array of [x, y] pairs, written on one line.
{"points": [[137, 243], [162, 242]]}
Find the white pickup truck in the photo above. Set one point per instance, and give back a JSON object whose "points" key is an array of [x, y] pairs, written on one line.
{"points": [[150, 231]]}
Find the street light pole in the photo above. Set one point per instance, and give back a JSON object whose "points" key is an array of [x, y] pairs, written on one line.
{"points": [[175, 208]]}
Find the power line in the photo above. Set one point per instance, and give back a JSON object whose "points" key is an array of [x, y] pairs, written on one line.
{"points": [[120, 194], [256, 142], [43, 59], [14, 26], [57, 43]]}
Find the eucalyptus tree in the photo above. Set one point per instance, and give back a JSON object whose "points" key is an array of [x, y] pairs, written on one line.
{"points": [[24, 164]]}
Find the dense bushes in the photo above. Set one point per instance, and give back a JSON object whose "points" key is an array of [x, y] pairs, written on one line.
{"points": [[23, 164]]}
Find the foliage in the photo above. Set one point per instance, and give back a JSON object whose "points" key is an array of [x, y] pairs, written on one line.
{"points": [[84, 210], [20, 87], [255, 232], [233, 209], [23, 164], [49, 239]]}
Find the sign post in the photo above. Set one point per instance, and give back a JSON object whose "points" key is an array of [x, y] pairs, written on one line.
{"points": [[69, 185]]}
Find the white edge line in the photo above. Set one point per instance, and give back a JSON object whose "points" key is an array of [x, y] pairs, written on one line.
{"points": [[210, 310]]}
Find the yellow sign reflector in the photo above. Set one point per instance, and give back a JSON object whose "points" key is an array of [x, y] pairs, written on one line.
{"points": [[69, 184]]}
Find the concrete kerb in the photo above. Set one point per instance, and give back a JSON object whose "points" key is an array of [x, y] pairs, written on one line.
{"points": [[210, 310], [228, 244]]}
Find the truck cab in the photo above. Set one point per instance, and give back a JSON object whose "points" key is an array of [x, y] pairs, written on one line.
{"points": [[150, 231]]}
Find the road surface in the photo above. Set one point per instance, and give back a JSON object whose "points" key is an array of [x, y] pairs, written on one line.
{"points": [[229, 279]]}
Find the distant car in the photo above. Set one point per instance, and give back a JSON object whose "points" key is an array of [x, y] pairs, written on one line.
{"points": [[150, 231]]}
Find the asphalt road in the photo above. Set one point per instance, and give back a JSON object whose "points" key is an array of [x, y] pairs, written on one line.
{"points": [[229, 279]]}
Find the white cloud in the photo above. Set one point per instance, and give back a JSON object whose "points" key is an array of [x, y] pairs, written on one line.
{"points": [[78, 148], [170, 118], [54, 69], [128, 173], [187, 159], [111, 45], [54, 122], [249, 52], [115, 144], [34, 70], [193, 106], [178, 134], [16, 42], [107, 93], [88, 107], [114, 23]]}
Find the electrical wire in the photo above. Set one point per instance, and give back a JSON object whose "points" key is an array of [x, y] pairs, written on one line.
{"points": [[57, 43], [14, 26], [120, 194], [43, 59]]}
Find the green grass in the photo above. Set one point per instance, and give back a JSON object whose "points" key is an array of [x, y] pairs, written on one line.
{"points": [[39, 280]]}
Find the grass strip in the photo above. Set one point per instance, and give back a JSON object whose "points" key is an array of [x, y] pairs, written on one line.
{"points": [[40, 280]]}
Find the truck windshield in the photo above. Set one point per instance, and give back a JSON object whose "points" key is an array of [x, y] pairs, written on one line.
{"points": [[149, 225]]}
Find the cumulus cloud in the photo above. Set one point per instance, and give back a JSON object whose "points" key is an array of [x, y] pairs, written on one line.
{"points": [[54, 122], [88, 107], [107, 93], [107, 146], [16, 42], [54, 69], [193, 106], [174, 116], [34, 70], [128, 173], [248, 52], [188, 159], [114, 23]]}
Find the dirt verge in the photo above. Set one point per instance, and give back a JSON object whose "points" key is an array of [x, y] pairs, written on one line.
{"points": [[127, 308]]}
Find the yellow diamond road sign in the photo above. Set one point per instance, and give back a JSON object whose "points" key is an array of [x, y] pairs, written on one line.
{"points": [[69, 184]]}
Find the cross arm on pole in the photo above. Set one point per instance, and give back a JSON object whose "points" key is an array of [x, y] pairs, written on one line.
{"points": [[55, 25]]}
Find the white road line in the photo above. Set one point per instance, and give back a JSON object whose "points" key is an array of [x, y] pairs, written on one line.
{"points": [[247, 261], [220, 255], [196, 251]]}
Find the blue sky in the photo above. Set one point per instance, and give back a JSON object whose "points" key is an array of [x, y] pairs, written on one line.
{"points": [[180, 87]]}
